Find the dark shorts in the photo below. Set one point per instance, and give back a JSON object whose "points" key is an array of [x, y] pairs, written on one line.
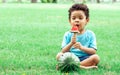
{"points": [[84, 57]]}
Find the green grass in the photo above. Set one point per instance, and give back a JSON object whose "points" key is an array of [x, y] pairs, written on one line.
{"points": [[31, 35]]}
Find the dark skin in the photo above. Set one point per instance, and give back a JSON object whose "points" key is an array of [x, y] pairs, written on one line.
{"points": [[80, 18], [90, 62]]}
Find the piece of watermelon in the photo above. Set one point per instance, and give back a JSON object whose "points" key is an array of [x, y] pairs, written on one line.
{"points": [[74, 29]]}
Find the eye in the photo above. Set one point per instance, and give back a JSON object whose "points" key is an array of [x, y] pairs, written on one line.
{"points": [[80, 18], [73, 18]]}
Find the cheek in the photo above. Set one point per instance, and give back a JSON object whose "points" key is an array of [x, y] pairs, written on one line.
{"points": [[71, 22], [83, 22]]}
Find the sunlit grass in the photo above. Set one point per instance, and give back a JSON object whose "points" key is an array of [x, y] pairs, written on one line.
{"points": [[31, 35]]}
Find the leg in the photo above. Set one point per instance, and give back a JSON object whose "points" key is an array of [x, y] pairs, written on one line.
{"points": [[58, 55], [88, 67], [90, 62]]}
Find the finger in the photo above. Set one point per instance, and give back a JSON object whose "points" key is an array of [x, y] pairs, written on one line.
{"points": [[74, 45]]}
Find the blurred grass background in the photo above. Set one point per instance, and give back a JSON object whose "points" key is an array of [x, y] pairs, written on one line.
{"points": [[31, 35]]}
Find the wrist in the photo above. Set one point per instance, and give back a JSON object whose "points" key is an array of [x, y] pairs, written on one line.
{"points": [[82, 48], [71, 43]]}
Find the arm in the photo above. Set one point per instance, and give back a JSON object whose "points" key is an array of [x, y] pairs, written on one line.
{"points": [[85, 49], [88, 50], [68, 46]]}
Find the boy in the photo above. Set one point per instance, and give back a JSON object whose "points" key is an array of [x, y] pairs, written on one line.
{"points": [[84, 44]]}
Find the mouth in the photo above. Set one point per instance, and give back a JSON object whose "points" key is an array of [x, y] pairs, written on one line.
{"points": [[77, 25]]}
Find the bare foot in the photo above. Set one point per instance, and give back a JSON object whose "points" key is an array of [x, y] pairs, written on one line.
{"points": [[89, 67]]}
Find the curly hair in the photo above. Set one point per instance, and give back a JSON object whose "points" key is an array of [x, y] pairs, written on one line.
{"points": [[82, 7]]}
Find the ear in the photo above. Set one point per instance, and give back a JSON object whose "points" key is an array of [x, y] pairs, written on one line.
{"points": [[87, 20]]}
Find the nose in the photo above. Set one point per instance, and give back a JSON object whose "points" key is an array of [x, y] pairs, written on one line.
{"points": [[77, 20]]}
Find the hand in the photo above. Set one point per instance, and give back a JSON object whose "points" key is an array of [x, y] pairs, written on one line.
{"points": [[73, 39], [78, 45]]}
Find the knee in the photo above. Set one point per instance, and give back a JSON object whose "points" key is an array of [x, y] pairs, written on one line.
{"points": [[58, 55], [96, 58]]}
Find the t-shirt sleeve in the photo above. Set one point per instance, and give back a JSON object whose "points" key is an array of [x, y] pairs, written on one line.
{"points": [[66, 40], [93, 43]]}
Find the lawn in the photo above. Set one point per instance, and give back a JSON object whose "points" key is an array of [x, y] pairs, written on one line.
{"points": [[31, 35]]}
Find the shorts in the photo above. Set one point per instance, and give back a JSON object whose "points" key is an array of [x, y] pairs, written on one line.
{"points": [[83, 57]]}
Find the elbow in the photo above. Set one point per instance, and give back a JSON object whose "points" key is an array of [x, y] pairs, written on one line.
{"points": [[94, 51]]}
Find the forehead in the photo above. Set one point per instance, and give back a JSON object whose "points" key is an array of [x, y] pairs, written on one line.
{"points": [[77, 13]]}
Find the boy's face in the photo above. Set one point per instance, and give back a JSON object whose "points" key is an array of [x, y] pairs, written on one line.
{"points": [[78, 19]]}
